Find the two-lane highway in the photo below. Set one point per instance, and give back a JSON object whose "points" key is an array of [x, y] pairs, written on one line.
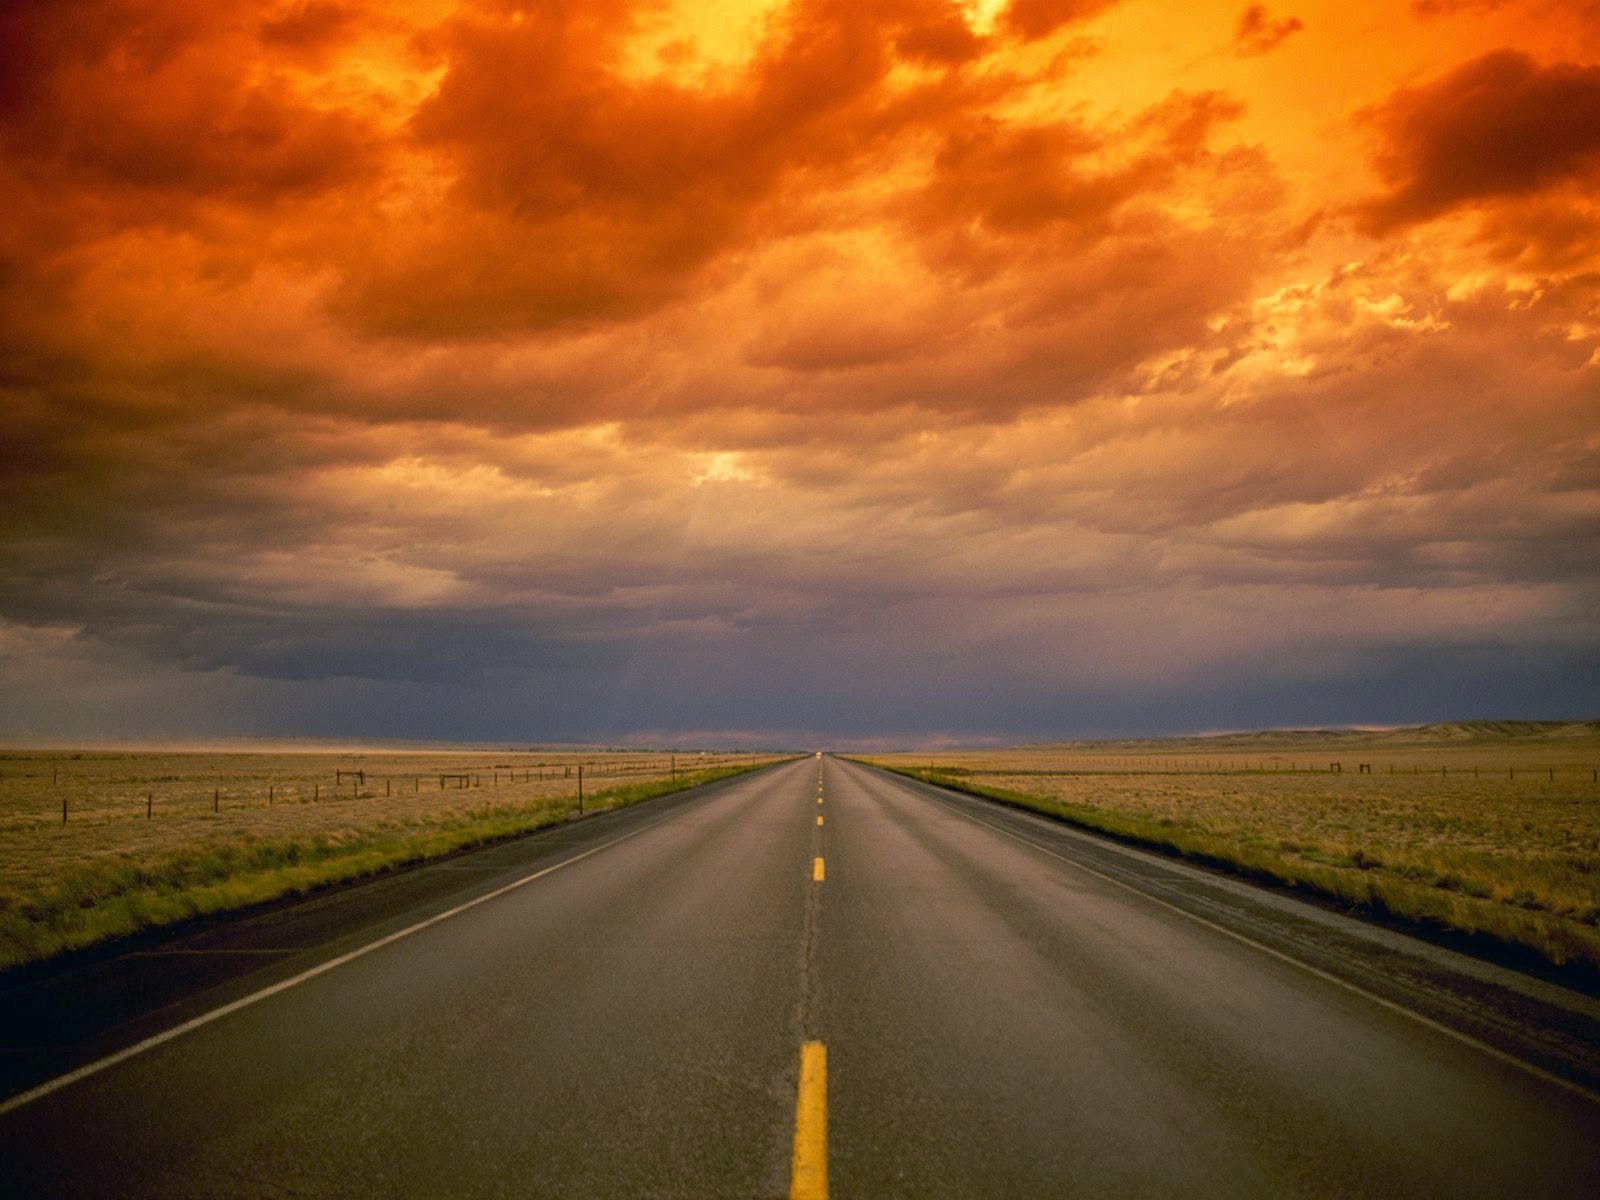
{"points": [[1002, 1021], [822, 978], [626, 1025]]}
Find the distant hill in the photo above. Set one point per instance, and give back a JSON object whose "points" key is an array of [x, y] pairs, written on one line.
{"points": [[1490, 731], [1441, 734]]}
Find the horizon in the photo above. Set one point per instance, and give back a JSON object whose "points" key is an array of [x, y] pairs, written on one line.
{"points": [[915, 373], [711, 743]]}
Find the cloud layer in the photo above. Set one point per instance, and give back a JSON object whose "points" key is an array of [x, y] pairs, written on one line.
{"points": [[816, 368]]}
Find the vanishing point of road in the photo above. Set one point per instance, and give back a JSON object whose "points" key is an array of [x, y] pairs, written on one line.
{"points": [[815, 979]]}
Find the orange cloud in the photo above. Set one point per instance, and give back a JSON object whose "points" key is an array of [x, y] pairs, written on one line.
{"points": [[1498, 126], [1258, 33], [313, 26], [345, 340], [1034, 19], [153, 101], [578, 191]]}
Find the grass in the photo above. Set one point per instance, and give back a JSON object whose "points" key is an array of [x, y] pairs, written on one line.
{"points": [[111, 872], [1495, 838]]}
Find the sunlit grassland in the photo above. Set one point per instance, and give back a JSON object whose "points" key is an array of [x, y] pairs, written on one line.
{"points": [[151, 839], [1497, 836]]}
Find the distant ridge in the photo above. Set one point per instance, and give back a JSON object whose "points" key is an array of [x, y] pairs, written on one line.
{"points": [[1441, 731], [1454, 733]]}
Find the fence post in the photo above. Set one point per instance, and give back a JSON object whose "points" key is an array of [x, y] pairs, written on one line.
{"points": [[272, 793], [216, 799], [580, 789], [63, 810], [149, 805]]}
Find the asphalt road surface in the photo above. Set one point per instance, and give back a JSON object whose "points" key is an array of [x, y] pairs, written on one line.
{"points": [[817, 979]]}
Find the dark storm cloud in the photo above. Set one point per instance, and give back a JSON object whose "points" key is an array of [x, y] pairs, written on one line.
{"points": [[1498, 126], [392, 370]]}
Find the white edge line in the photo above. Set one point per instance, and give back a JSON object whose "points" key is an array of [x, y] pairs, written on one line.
{"points": [[1465, 1039], [216, 1014]]}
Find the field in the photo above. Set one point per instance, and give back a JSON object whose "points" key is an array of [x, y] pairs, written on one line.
{"points": [[100, 844], [1484, 829]]}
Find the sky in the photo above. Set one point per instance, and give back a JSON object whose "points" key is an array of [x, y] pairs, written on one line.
{"points": [[822, 372]]}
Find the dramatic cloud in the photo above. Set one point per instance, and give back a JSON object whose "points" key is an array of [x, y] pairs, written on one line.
{"points": [[1499, 126], [466, 368], [1258, 33], [1033, 19]]}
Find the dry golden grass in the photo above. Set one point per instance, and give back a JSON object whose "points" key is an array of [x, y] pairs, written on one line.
{"points": [[1494, 835], [226, 830]]}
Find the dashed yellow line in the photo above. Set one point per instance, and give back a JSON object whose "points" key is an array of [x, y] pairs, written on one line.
{"points": [[808, 1179], [816, 870]]}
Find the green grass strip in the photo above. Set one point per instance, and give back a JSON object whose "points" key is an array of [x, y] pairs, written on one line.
{"points": [[116, 897], [1502, 930]]}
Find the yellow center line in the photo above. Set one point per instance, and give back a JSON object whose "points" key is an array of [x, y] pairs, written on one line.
{"points": [[816, 870], [809, 1172]]}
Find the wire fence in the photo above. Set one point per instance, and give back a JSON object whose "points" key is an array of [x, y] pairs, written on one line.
{"points": [[1275, 764], [1262, 765], [35, 790]]}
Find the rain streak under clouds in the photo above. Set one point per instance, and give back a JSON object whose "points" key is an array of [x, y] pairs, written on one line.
{"points": [[775, 371]]}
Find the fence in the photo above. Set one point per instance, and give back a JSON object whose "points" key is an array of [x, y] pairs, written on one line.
{"points": [[1269, 765], [124, 797]]}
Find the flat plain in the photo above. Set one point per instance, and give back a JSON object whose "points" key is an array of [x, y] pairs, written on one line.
{"points": [[968, 1002], [1480, 828], [97, 844]]}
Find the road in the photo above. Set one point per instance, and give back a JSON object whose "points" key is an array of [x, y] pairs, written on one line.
{"points": [[980, 1003]]}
